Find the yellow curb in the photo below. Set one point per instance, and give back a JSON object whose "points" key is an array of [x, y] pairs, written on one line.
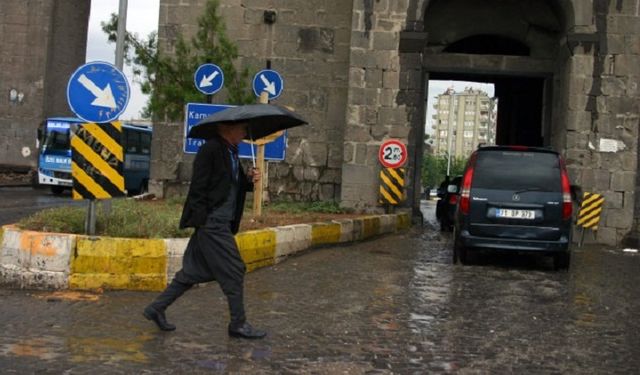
{"points": [[370, 226], [118, 263], [325, 233], [257, 248], [404, 221], [142, 264]]}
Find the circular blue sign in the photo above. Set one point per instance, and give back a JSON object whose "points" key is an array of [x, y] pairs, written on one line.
{"points": [[269, 81], [98, 92], [208, 79]]}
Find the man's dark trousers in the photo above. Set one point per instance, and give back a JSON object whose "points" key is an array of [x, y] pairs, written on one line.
{"points": [[211, 255]]}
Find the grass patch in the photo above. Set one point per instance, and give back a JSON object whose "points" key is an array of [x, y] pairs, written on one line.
{"points": [[160, 218]]}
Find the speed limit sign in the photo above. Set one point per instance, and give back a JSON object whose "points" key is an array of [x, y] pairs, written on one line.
{"points": [[392, 154]]}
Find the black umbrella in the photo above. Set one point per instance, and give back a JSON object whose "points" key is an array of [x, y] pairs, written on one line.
{"points": [[263, 119]]}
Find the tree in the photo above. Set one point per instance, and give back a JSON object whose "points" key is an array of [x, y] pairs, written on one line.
{"points": [[434, 169], [168, 79]]}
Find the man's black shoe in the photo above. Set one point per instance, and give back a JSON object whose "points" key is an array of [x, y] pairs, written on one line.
{"points": [[246, 331], [159, 318]]}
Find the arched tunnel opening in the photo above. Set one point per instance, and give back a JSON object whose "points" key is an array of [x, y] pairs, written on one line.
{"points": [[520, 107]]}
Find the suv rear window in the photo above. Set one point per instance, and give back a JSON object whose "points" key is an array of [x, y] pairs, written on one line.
{"points": [[516, 170]]}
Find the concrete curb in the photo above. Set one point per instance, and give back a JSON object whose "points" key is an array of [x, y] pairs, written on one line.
{"points": [[67, 261]]}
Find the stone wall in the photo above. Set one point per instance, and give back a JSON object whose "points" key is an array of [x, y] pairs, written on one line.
{"points": [[350, 71], [43, 42], [309, 46], [603, 112], [385, 93]]}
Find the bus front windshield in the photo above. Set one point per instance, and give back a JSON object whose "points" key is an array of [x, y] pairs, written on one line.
{"points": [[56, 140]]}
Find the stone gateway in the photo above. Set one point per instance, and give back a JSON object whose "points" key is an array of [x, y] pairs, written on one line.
{"points": [[565, 73]]}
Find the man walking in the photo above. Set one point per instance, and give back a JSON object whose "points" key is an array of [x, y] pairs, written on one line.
{"points": [[214, 208]]}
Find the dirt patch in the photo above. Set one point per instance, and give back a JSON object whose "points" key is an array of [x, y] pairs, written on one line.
{"points": [[70, 295]]}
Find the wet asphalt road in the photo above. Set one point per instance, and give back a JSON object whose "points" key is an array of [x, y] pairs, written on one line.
{"points": [[394, 305], [19, 202]]}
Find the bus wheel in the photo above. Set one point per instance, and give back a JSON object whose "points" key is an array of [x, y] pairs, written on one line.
{"points": [[143, 187], [57, 190]]}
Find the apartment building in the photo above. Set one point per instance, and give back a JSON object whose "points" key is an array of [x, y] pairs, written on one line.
{"points": [[462, 121]]}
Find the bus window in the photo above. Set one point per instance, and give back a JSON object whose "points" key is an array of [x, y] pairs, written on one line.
{"points": [[56, 140], [132, 142], [145, 143]]}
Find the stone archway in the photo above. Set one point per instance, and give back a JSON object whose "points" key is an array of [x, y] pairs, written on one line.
{"points": [[513, 44]]}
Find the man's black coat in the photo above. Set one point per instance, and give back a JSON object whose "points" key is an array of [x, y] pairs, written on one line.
{"points": [[210, 185]]}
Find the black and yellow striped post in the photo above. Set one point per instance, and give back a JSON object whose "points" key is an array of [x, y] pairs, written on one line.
{"points": [[589, 214], [96, 161], [391, 186], [96, 165]]}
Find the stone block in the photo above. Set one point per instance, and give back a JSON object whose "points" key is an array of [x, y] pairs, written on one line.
{"points": [[360, 39], [618, 218], [328, 192], [398, 131], [357, 77], [346, 230], [315, 39], [291, 239], [373, 78], [175, 251], [257, 248], [604, 236], [623, 181], [578, 120], [385, 41], [613, 86], [388, 223], [50, 252], [349, 152], [391, 79], [45, 280], [325, 233]]}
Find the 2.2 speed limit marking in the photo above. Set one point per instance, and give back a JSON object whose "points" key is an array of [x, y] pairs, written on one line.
{"points": [[392, 154]]}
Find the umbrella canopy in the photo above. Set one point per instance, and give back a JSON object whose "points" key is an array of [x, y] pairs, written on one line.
{"points": [[263, 119]]}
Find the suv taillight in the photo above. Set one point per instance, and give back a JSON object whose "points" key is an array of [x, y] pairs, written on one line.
{"points": [[466, 185], [567, 205]]}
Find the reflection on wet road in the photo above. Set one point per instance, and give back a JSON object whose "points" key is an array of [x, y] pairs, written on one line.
{"points": [[392, 305]]}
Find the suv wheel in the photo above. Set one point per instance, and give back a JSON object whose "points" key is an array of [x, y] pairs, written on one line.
{"points": [[562, 261], [459, 251]]}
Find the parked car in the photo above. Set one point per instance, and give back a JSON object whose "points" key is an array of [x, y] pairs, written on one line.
{"points": [[514, 198], [446, 206]]}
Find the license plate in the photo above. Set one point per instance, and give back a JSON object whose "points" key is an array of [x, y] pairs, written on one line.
{"points": [[508, 213]]}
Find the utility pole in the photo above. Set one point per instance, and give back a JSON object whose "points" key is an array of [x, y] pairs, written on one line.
{"points": [[121, 32], [119, 63]]}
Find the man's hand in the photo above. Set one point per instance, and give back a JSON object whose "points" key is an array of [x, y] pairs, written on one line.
{"points": [[254, 175]]}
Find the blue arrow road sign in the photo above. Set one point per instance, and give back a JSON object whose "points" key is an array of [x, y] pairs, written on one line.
{"points": [[195, 112], [269, 81], [208, 78], [98, 92]]}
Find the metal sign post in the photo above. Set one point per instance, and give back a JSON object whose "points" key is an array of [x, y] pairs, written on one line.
{"points": [[392, 155], [97, 92]]}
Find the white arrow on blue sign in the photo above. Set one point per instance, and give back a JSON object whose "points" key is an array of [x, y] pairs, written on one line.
{"points": [[208, 78], [269, 81], [98, 92], [274, 151]]}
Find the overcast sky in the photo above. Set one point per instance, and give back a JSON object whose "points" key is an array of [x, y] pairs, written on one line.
{"points": [[142, 18]]}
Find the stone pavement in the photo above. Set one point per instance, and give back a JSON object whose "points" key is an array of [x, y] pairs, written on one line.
{"points": [[394, 305]]}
